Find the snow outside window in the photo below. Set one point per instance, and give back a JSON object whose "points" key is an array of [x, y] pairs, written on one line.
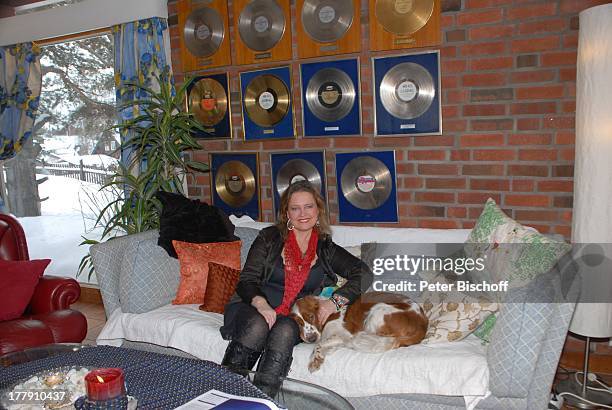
{"points": [[54, 183]]}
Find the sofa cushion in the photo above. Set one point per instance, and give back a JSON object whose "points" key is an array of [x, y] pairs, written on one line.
{"points": [[18, 280], [454, 316], [247, 236], [188, 220], [525, 252], [148, 278], [107, 258], [194, 258], [220, 286]]}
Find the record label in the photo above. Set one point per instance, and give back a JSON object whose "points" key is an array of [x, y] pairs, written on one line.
{"points": [[366, 183], [407, 91], [261, 24], [403, 6], [327, 14], [266, 100], [330, 94], [235, 183], [297, 178], [203, 32]]}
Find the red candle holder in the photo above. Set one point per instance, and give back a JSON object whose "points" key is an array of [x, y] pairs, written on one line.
{"points": [[105, 384]]}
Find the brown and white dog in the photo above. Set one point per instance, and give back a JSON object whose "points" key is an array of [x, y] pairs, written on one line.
{"points": [[375, 322]]}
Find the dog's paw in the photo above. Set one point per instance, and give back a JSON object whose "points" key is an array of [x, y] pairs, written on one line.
{"points": [[315, 364], [316, 360]]}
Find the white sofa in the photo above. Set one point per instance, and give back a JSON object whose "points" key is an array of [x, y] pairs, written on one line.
{"points": [[443, 375]]}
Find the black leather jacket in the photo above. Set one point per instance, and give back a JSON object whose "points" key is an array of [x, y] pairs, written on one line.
{"points": [[266, 250]]}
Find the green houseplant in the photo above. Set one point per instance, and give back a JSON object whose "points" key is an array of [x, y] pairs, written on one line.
{"points": [[155, 142]]}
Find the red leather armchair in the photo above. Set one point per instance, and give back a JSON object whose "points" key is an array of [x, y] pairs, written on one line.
{"points": [[48, 318]]}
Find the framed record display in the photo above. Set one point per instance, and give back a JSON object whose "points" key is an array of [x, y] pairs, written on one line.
{"points": [[204, 34], [407, 94], [263, 31], [396, 24], [327, 27], [267, 110], [208, 100], [235, 183], [366, 186], [331, 98], [288, 168]]}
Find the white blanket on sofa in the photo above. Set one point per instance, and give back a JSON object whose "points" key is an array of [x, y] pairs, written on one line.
{"points": [[451, 369]]}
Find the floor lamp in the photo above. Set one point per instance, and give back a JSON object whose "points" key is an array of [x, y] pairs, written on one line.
{"points": [[592, 216]]}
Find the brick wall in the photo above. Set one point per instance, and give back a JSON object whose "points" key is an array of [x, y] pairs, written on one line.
{"points": [[508, 107]]}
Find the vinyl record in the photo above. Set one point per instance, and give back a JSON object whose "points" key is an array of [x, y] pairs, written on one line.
{"points": [[297, 170], [327, 20], [366, 182], [208, 102], [261, 24], [403, 17], [203, 31], [235, 183], [407, 90], [330, 94], [266, 100]]}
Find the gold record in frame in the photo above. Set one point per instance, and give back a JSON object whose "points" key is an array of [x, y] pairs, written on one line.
{"points": [[266, 100], [235, 183], [397, 24], [204, 34], [263, 31], [208, 102], [328, 27]]}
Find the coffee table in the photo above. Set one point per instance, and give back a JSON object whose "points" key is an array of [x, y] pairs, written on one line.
{"points": [[162, 381]]}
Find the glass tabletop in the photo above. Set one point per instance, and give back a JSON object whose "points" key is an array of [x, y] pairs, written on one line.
{"points": [[39, 352], [297, 394], [293, 394]]}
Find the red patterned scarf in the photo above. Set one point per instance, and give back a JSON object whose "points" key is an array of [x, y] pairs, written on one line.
{"points": [[297, 268]]}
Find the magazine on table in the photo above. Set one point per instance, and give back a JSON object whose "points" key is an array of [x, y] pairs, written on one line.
{"points": [[218, 400]]}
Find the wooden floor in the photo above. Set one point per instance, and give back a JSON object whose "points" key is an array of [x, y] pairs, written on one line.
{"points": [[95, 319]]}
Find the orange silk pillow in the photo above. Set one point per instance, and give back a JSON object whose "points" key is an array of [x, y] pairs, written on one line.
{"points": [[194, 258], [220, 287]]}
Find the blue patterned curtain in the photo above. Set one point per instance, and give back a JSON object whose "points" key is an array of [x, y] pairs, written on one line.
{"points": [[139, 57], [20, 83]]}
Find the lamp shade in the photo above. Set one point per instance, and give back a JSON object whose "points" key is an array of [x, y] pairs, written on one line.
{"points": [[592, 216]]}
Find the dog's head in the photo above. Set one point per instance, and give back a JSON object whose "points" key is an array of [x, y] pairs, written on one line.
{"points": [[305, 313]]}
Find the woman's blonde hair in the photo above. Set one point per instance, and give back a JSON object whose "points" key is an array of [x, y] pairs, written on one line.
{"points": [[302, 186]]}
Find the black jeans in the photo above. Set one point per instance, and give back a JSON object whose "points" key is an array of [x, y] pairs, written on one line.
{"points": [[251, 330]]}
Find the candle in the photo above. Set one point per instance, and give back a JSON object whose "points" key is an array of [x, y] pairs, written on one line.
{"points": [[104, 384]]}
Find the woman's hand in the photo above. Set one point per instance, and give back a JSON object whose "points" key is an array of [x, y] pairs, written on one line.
{"points": [[264, 309], [326, 308]]}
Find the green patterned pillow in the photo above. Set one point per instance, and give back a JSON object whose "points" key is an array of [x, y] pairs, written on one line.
{"points": [[530, 254]]}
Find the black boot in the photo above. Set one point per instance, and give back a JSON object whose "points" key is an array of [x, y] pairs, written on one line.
{"points": [[239, 358], [272, 366]]}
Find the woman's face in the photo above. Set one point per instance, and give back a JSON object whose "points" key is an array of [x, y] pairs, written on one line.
{"points": [[303, 211]]}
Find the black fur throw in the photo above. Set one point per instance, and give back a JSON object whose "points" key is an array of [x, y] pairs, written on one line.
{"points": [[188, 220]]}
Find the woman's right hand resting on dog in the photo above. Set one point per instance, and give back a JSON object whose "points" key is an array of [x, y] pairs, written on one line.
{"points": [[264, 309]]}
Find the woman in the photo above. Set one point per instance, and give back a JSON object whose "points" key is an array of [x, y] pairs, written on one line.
{"points": [[287, 261]]}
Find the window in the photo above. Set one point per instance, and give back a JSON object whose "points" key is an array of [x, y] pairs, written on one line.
{"points": [[53, 184]]}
